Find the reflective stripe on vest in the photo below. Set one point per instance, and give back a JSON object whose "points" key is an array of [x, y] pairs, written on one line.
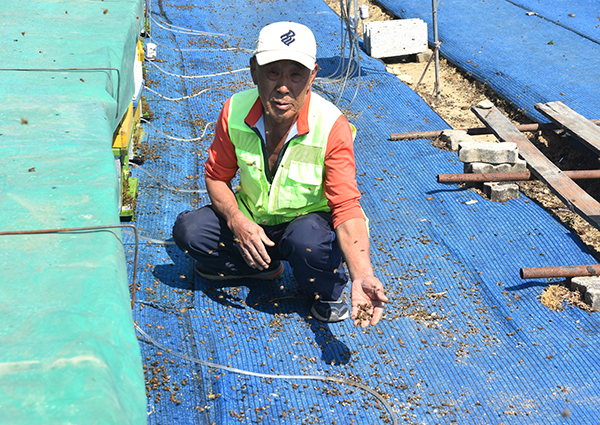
{"points": [[297, 186]]}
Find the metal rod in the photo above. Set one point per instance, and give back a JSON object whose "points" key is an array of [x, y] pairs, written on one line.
{"points": [[501, 177], [560, 271], [437, 89], [436, 48], [81, 229], [475, 131]]}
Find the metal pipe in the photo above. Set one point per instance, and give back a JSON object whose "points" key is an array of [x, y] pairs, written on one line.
{"points": [[501, 177], [81, 229], [475, 131], [560, 271]]}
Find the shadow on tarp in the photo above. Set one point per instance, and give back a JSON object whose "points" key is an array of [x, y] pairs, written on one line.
{"points": [[335, 66], [280, 297], [268, 297]]}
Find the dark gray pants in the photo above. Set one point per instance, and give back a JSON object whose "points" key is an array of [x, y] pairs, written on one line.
{"points": [[308, 243]]}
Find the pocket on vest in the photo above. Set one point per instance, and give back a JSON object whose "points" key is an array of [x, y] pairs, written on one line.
{"points": [[250, 172], [303, 185]]}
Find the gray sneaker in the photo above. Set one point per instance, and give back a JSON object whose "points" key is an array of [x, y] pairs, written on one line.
{"points": [[330, 311], [272, 273]]}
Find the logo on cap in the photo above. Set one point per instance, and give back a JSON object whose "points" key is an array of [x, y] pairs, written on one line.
{"points": [[288, 38]]}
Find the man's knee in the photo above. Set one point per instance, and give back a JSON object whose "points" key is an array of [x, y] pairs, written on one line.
{"points": [[191, 226], [182, 227], [312, 238]]}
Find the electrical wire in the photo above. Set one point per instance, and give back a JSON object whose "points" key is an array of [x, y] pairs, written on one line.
{"points": [[178, 139], [179, 99], [174, 189], [356, 384], [348, 66], [197, 76], [151, 240], [174, 28], [203, 49]]}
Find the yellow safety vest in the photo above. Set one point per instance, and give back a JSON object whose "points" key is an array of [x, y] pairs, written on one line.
{"points": [[297, 187]]}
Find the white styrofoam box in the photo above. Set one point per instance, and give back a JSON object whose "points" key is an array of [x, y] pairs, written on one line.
{"points": [[138, 79], [118, 166], [401, 37]]}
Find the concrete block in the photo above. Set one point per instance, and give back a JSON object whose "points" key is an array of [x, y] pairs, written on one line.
{"points": [[589, 286], [501, 191], [423, 56], [483, 167], [490, 152], [405, 78], [453, 138], [384, 39]]}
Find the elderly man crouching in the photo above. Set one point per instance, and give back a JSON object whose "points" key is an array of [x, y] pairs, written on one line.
{"points": [[297, 199]]}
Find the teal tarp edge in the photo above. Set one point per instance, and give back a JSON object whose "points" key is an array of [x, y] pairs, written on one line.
{"points": [[69, 351], [96, 42]]}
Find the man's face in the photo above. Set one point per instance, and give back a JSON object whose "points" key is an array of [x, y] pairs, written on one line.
{"points": [[282, 87]]}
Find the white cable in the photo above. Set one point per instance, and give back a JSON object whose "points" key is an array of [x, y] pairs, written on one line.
{"points": [[178, 99], [169, 27], [174, 189], [203, 49], [197, 76], [147, 239], [356, 384], [178, 139]]}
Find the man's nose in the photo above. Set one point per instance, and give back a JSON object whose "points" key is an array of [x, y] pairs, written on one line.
{"points": [[283, 84]]}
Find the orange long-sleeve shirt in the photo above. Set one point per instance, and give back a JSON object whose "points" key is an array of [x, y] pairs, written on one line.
{"points": [[341, 190]]}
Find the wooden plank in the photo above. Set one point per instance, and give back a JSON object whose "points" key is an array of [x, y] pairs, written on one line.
{"points": [[580, 127], [574, 197]]}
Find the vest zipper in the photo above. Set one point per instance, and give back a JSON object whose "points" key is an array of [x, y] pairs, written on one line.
{"points": [[247, 209], [263, 146], [263, 149]]}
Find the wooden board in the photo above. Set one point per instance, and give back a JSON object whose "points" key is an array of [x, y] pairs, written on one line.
{"points": [[577, 125], [568, 191]]}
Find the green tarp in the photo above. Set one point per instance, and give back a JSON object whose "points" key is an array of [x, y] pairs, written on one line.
{"points": [[68, 350]]}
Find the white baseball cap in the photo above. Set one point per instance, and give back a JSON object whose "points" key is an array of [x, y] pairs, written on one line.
{"points": [[286, 41]]}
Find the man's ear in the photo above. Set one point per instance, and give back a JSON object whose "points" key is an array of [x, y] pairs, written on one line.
{"points": [[253, 66], [313, 75]]}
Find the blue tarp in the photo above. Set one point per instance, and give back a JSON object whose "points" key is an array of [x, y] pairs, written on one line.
{"points": [[464, 340], [525, 58]]}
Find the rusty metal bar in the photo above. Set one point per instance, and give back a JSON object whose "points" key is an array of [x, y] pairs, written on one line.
{"points": [[560, 271], [483, 177], [501, 177], [475, 131]]}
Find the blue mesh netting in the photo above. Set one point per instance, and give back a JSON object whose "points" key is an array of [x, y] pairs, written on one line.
{"points": [[526, 59], [464, 340]]}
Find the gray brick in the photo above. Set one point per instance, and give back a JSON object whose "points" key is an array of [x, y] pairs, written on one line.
{"points": [[490, 152], [589, 286], [423, 56], [453, 138], [501, 191], [483, 167]]}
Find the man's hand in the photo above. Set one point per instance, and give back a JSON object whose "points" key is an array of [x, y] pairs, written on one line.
{"points": [[251, 240], [250, 237], [368, 298]]}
